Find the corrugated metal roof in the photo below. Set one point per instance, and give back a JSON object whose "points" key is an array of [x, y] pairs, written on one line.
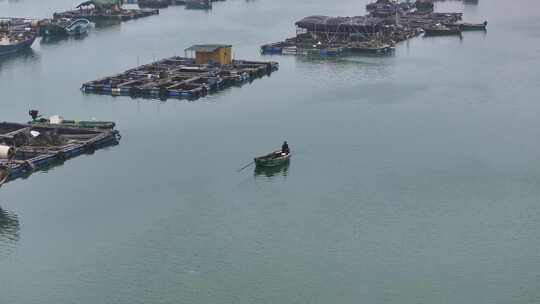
{"points": [[207, 47]]}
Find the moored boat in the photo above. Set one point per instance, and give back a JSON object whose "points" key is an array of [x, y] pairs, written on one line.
{"points": [[198, 4], [468, 26], [60, 121], [15, 42], [441, 30], [154, 3], [370, 47], [473, 26], [276, 158], [65, 27]]}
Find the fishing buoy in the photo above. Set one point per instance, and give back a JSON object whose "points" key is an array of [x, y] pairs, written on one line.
{"points": [[6, 152]]}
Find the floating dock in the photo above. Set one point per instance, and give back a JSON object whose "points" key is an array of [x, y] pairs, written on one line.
{"points": [[180, 78], [39, 146]]}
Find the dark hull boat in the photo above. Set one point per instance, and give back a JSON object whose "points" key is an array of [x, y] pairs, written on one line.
{"points": [[441, 30], [370, 48], [468, 26], [473, 26], [274, 159], [198, 4], [154, 3], [15, 43]]}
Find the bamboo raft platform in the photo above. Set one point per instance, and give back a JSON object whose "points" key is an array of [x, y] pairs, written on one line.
{"points": [[38, 147], [180, 78]]}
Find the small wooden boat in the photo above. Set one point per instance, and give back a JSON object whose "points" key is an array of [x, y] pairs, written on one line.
{"points": [[276, 158]]}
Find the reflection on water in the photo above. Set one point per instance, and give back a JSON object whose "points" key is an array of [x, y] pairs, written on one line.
{"points": [[57, 39], [473, 34], [9, 232], [344, 59], [282, 170], [108, 24], [24, 56], [349, 69], [442, 38], [347, 56]]}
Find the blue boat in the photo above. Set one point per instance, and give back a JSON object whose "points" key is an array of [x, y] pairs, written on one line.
{"points": [[78, 27], [65, 27], [16, 42]]}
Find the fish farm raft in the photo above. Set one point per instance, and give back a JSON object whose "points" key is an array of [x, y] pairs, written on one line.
{"points": [[100, 16], [387, 23], [25, 148], [211, 70]]}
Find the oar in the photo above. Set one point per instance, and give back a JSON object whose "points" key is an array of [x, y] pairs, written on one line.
{"points": [[244, 167]]}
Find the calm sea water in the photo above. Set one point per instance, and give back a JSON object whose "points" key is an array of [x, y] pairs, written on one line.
{"points": [[415, 178]]}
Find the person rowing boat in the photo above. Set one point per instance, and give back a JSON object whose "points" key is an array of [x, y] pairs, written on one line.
{"points": [[275, 158], [285, 148]]}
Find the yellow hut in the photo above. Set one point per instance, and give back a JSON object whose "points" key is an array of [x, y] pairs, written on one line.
{"points": [[211, 53]]}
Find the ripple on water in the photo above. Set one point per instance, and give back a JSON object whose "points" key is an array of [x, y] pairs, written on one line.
{"points": [[9, 232]]}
